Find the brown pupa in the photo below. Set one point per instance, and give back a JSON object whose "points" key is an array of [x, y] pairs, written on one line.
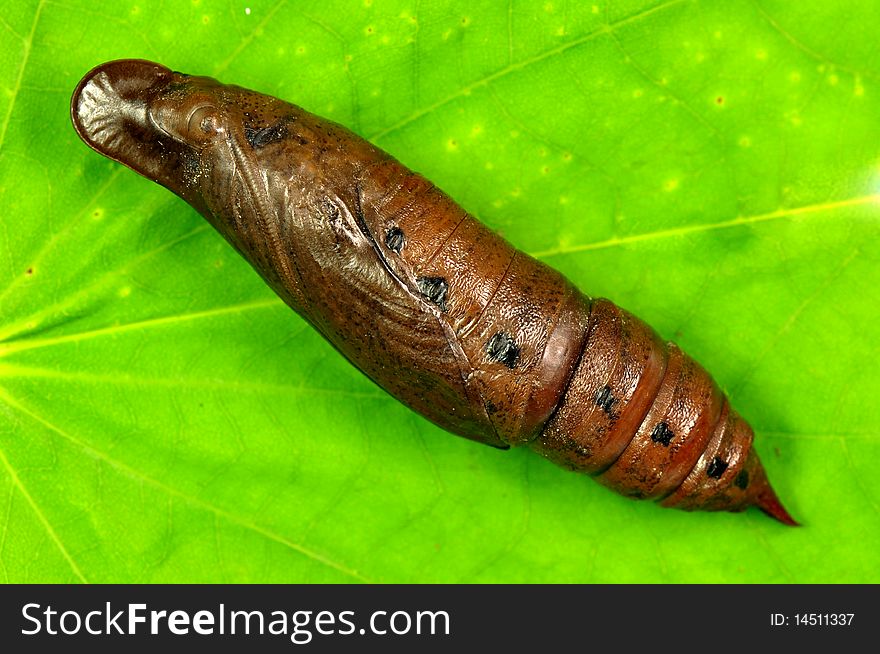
{"points": [[438, 310]]}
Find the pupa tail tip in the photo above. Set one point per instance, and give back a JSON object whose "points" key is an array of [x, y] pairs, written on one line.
{"points": [[769, 503]]}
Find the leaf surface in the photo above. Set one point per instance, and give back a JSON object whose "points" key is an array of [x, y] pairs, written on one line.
{"points": [[711, 166]]}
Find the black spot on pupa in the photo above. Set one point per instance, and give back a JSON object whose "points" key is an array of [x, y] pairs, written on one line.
{"points": [[190, 164], [662, 434], [434, 289], [329, 209], [259, 137], [395, 239], [490, 408], [742, 479], [175, 88], [605, 399], [503, 349], [716, 468]]}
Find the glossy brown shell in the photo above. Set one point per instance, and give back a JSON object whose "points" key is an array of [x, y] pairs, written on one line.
{"points": [[440, 311]]}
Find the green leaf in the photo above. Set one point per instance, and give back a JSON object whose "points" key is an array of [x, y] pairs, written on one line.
{"points": [[711, 166]]}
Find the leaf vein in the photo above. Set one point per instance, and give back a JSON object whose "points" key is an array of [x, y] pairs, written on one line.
{"points": [[112, 330], [706, 227], [28, 43], [170, 490], [41, 517], [246, 41], [800, 45], [512, 68]]}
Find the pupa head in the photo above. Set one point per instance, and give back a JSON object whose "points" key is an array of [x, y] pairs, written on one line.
{"points": [[175, 129]]}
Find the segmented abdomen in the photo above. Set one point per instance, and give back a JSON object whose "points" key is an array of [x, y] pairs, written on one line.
{"points": [[646, 419], [583, 382]]}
